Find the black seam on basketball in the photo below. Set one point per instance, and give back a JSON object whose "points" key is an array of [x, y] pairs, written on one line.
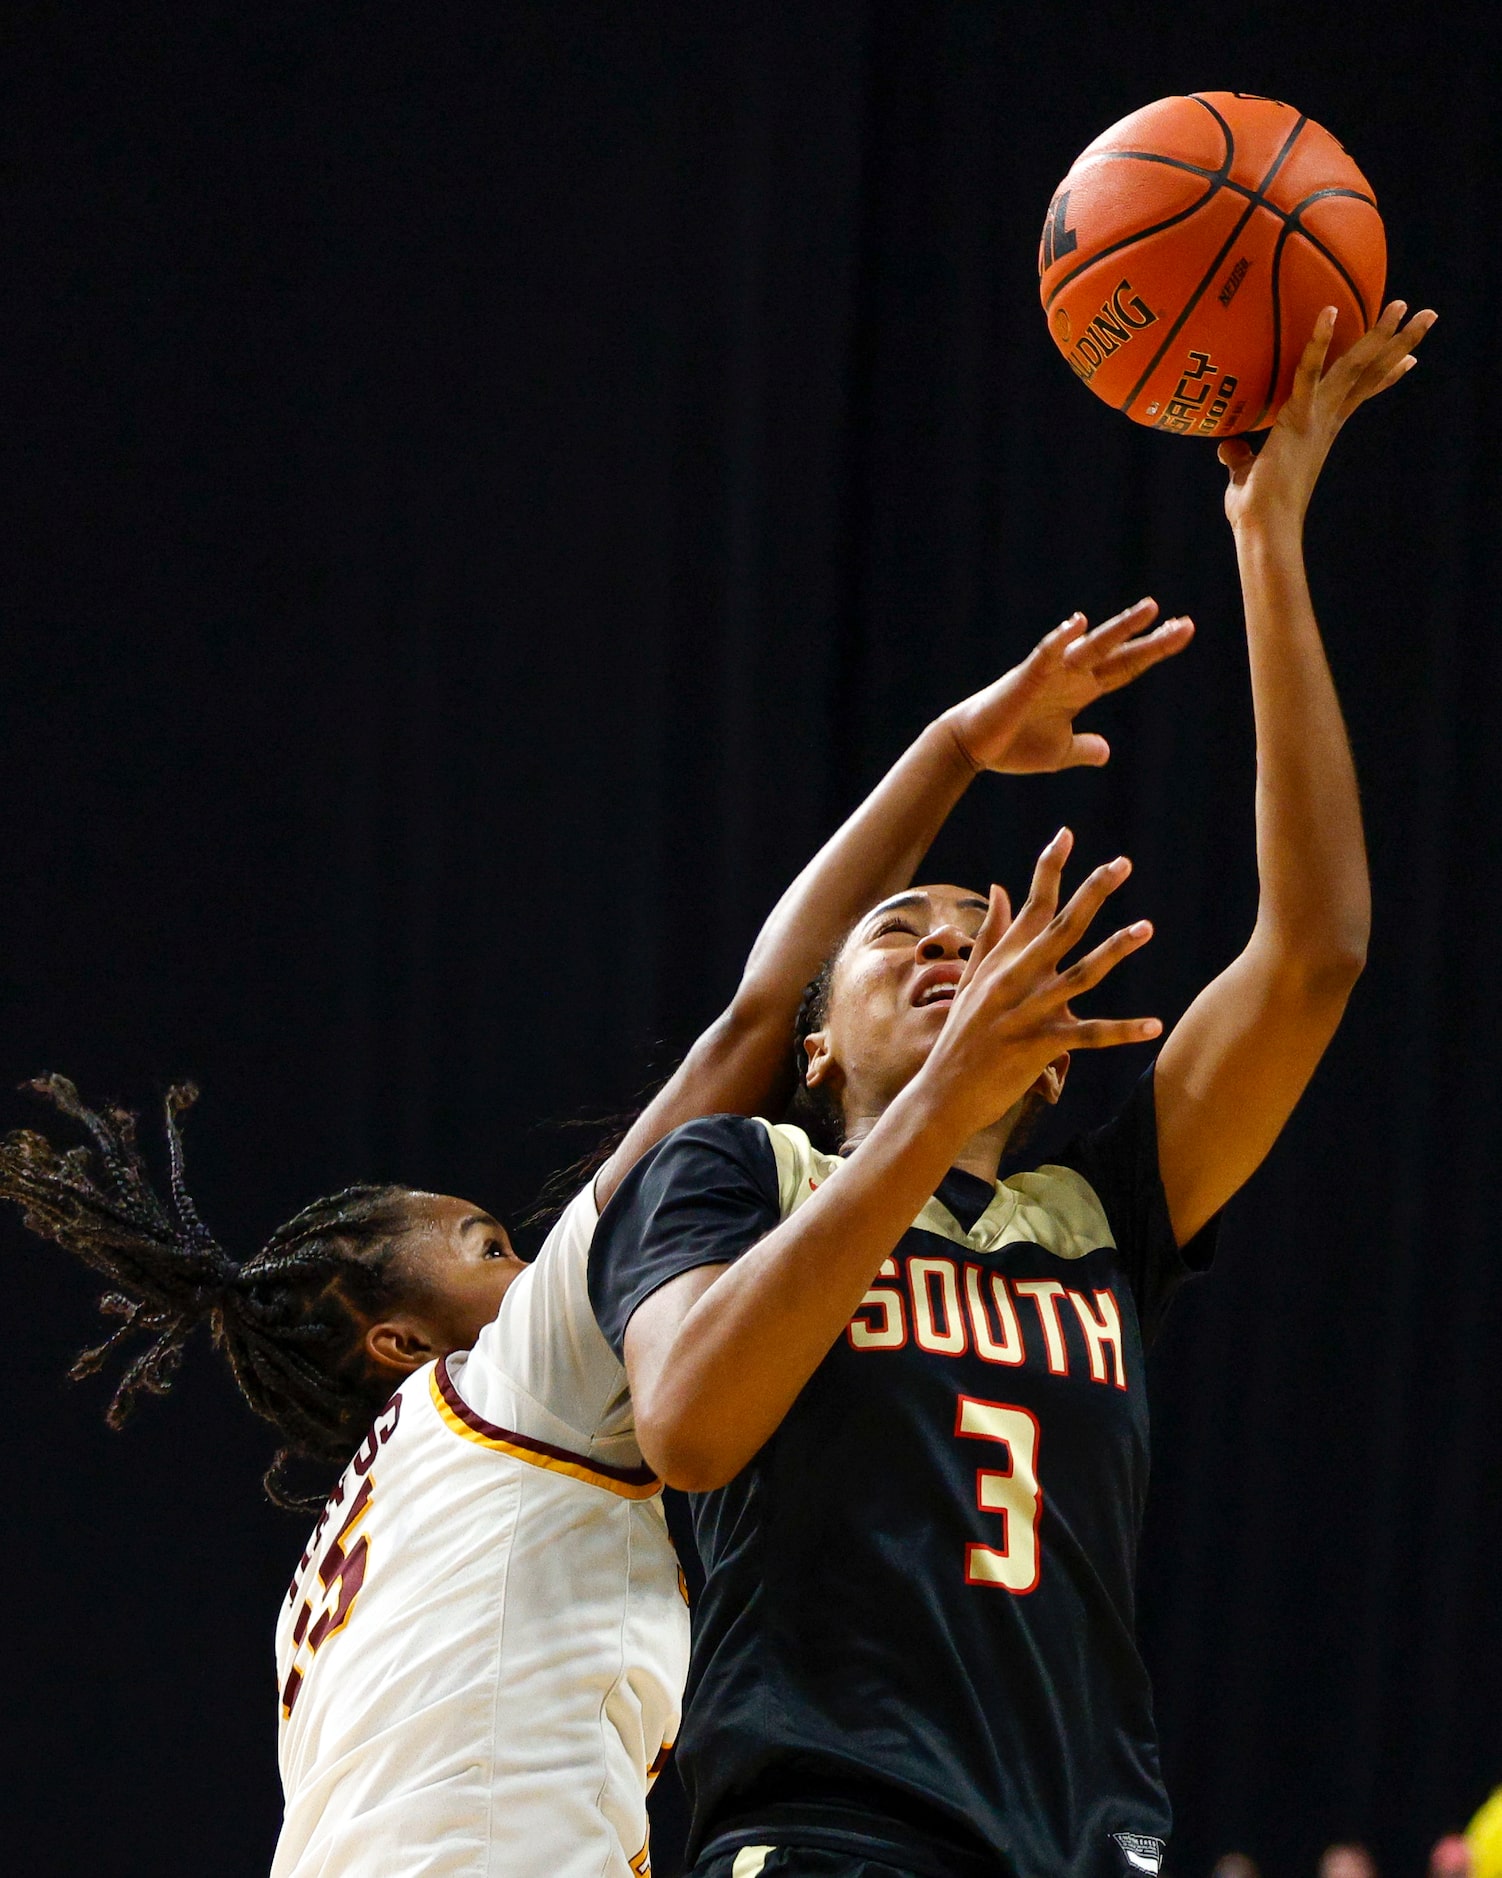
{"points": [[1319, 195], [1214, 268], [1340, 267], [1225, 130], [1276, 297], [1128, 241], [1278, 161], [1294, 227], [1222, 177], [1218, 180], [1189, 305], [1250, 192], [1297, 220], [1157, 156]]}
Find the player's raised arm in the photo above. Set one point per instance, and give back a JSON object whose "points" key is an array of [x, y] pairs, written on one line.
{"points": [[1237, 1062], [1021, 724]]}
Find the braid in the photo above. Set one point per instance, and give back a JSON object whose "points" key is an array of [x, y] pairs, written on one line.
{"points": [[816, 1111], [288, 1320]]}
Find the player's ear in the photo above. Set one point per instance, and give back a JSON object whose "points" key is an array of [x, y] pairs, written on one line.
{"points": [[822, 1072], [1050, 1085], [397, 1345]]}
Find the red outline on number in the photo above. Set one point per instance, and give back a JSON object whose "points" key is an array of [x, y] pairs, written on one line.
{"points": [[1117, 1343], [976, 1303], [1047, 1295], [881, 1293], [965, 1434], [952, 1318]]}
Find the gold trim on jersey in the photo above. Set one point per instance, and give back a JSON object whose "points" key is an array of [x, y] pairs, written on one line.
{"points": [[1051, 1207], [631, 1483]]}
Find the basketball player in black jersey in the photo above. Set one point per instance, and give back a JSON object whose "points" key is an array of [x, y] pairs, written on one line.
{"points": [[908, 1399]]}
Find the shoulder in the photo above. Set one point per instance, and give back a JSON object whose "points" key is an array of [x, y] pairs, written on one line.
{"points": [[572, 1231], [717, 1173], [1058, 1209], [552, 1280], [716, 1151], [703, 1196], [703, 1156], [542, 1366], [801, 1167], [1093, 1192]]}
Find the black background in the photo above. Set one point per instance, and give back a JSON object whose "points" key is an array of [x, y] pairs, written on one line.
{"points": [[484, 493]]}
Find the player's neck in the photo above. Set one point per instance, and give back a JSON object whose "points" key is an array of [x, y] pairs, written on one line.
{"points": [[980, 1155]]}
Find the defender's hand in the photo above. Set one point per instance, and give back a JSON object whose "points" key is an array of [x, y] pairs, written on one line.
{"points": [[1275, 483], [1024, 723]]}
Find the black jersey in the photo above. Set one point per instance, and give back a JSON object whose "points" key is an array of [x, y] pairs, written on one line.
{"points": [[916, 1639]]}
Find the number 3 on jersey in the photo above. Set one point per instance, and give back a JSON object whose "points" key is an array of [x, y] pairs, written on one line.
{"points": [[1012, 1492]]}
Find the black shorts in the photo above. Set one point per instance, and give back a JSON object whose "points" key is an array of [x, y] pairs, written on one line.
{"points": [[792, 1861]]}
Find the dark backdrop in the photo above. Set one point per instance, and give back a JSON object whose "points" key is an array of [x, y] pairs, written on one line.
{"points": [[485, 493]]}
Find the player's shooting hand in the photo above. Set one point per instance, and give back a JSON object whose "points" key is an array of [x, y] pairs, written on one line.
{"points": [[1274, 485], [1024, 723], [1011, 1015], [999, 929]]}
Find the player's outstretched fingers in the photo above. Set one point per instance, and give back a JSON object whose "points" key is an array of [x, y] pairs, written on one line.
{"points": [[1042, 901], [1110, 633], [1106, 1033], [1069, 926], [1086, 973], [1311, 366], [1401, 344], [1054, 646], [998, 920], [1391, 353], [1373, 348], [1130, 661]]}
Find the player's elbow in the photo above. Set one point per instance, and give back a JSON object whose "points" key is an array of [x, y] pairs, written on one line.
{"points": [[699, 1474], [761, 1007], [681, 1456], [1318, 961], [1348, 962], [1320, 976], [733, 1057], [684, 1442], [1332, 966]]}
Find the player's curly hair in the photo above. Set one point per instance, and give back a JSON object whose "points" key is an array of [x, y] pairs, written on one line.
{"points": [[288, 1320]]}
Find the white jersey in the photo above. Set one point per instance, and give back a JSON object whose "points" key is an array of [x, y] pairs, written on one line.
{"points": [[482, 1654]]}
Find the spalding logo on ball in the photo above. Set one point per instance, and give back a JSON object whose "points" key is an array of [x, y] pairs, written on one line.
{"points": [[1189, 250]]}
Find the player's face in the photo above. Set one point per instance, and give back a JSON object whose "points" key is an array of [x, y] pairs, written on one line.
{"points": [[894, 982], [461, 1265]]}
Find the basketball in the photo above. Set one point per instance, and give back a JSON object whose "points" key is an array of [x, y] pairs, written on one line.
{"points": [[1188, 252]]}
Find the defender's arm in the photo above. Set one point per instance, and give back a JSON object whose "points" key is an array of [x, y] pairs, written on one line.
{"points": [[1023, 723]]}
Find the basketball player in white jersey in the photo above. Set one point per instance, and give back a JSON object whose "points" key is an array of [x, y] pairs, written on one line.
{"points": [[482, 1651]]}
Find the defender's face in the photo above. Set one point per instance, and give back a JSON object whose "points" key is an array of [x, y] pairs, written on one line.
{"points": [[893, 984], [462, 1265]]}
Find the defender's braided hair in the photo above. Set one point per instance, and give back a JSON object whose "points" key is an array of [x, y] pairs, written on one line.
{"points": [[288, 1320]]}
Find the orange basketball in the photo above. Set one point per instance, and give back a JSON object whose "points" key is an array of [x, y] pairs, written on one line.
{"points": [[1188, 252]]}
